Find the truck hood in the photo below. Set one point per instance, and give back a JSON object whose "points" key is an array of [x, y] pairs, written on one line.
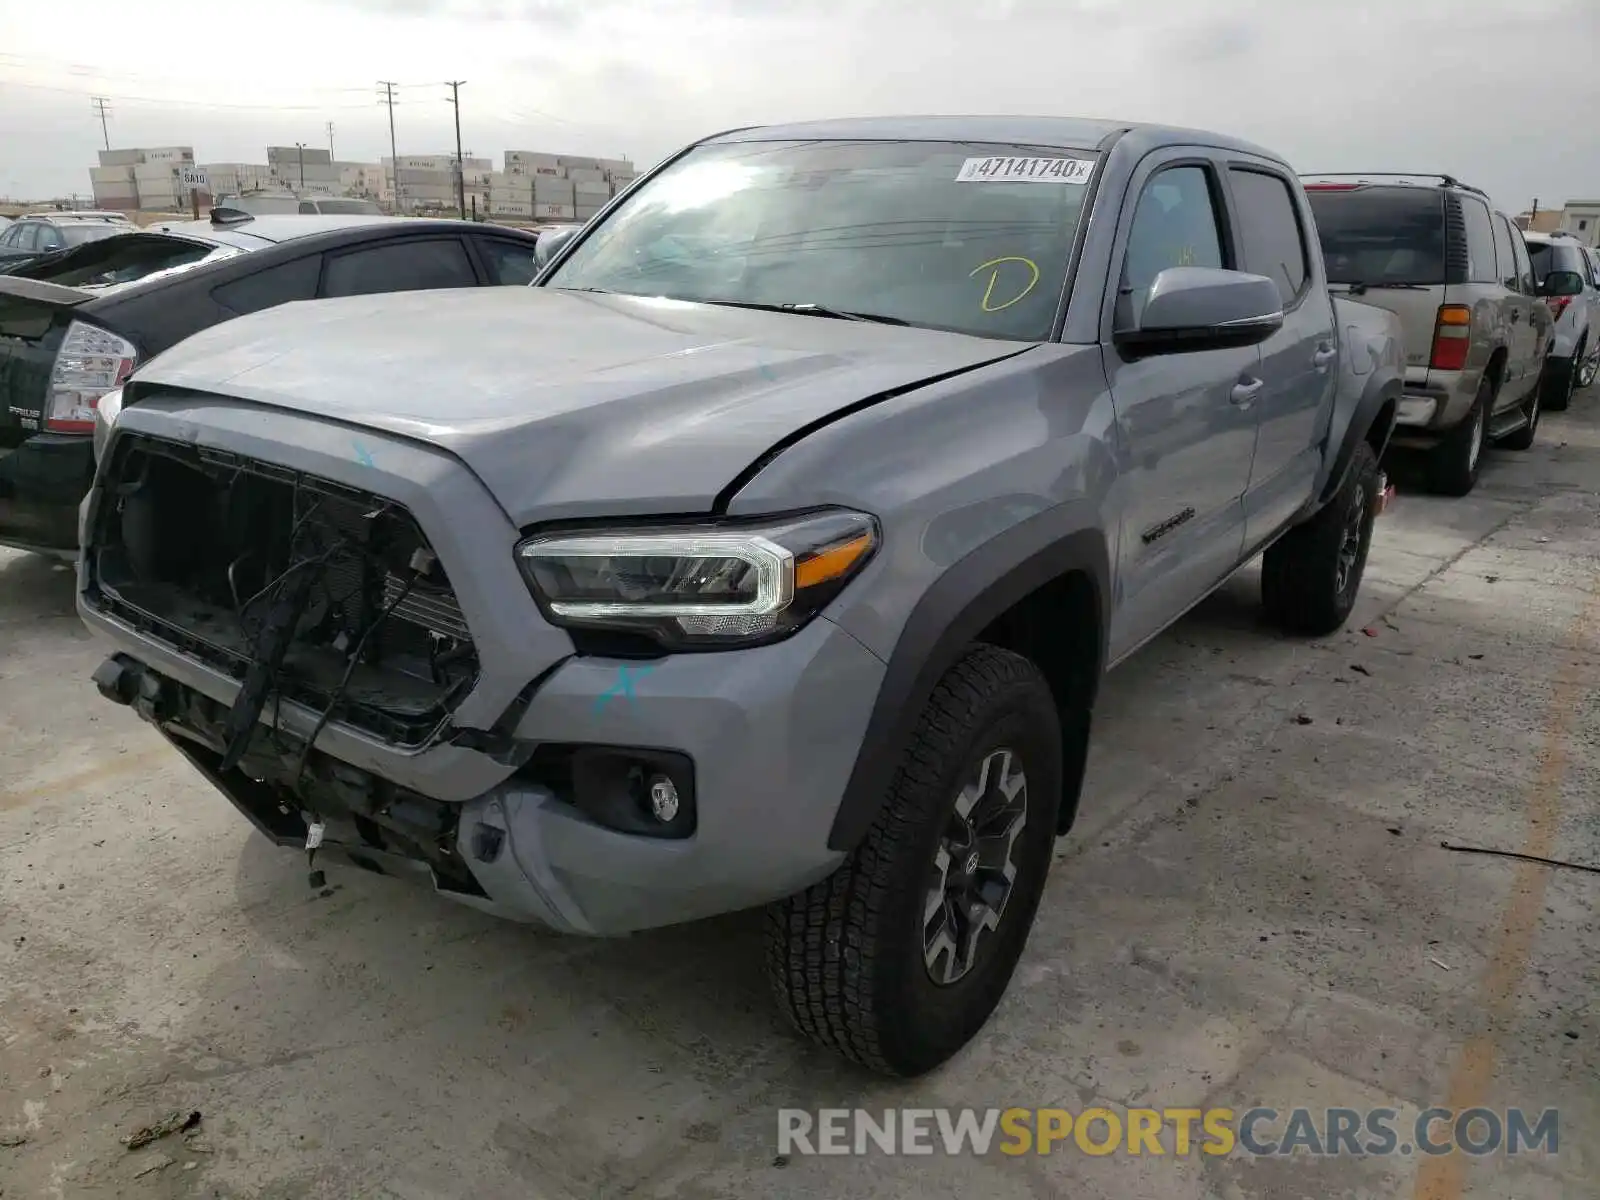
{"points": [[567, 403]]}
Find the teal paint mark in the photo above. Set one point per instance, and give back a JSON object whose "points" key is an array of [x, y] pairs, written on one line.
{"points": [[626, 677], [363, 455]]}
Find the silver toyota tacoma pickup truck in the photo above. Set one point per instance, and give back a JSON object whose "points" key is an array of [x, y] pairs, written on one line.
{"points": [[768, 550]]}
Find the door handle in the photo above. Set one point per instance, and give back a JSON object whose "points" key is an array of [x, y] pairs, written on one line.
{"points": [[1245, 392], [1325, 354]]}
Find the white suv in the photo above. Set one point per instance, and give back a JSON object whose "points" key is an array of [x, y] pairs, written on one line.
{"points": [[1569, 280]]}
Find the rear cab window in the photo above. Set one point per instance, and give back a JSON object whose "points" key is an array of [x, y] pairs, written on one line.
{"points": [[1380, 235]]}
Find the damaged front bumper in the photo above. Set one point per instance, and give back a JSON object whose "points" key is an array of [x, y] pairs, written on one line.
{"points": [[527, 803]]}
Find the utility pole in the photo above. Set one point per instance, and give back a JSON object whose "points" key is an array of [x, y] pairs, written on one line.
{"points": [[301, 146], [102, 109], [331, 154], [461, 177], [387, 98]]}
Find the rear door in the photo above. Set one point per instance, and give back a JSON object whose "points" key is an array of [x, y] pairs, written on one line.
{"points": [[1387, 243], [1299, 363], [1523, 341]]}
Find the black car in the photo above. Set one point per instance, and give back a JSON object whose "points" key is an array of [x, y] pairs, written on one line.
{"points": [[74, 326]]}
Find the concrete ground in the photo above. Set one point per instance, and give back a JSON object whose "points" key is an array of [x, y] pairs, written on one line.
{"points": [[1255, 910]]}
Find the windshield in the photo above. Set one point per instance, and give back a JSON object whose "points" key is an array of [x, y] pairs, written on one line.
{"points": [[959, 236], [1381, 235]]}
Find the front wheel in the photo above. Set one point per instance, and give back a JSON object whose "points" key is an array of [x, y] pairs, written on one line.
{"points": [[897, 959], [1310, 577]]}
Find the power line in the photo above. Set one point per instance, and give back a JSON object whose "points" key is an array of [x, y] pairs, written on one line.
{"points": [[172, 102], [85, 70], [387, 99], [461, 176], [103, 110]]}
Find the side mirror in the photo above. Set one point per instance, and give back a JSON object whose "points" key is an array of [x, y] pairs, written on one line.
{"points": [[545, 249], [1204, 308], [1562, 283]]}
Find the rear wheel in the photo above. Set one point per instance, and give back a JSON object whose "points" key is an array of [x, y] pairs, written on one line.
{"points": [[1311, 575], [1559, 381], [1454, 463], [897, 959]]}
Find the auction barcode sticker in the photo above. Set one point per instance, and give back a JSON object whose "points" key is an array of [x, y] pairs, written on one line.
{"points": [[1008, 169]]}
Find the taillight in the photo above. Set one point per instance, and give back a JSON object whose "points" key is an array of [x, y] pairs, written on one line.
{"points": [[1452, 335], [91, 362], [1558, 305]]}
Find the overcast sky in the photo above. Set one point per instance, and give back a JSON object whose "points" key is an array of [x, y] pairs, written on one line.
{"points": [[1505, 94]]}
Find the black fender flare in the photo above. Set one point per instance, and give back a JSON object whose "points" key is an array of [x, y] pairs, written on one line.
{"points": [[1384, 387], [962, 602]]}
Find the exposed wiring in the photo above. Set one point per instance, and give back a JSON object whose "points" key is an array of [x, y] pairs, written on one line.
{"points": [[344, 681]]}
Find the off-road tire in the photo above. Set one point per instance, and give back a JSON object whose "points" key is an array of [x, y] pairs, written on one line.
{"points": [[1522, 439], [1558, 381], [1301, 588], [845, 958], [1452, 467]]}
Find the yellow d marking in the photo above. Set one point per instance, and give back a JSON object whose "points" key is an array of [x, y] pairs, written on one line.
{"points": [[993, 267]]}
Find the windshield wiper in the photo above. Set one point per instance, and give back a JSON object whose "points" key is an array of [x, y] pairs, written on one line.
{"points": [[1355, 289], [812, 310]]}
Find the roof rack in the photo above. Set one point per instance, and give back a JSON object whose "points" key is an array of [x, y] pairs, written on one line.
{"points": [[1449, 181]]}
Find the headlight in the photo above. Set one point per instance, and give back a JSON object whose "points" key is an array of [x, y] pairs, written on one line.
{"points": [[713, 584], [105, 416]]}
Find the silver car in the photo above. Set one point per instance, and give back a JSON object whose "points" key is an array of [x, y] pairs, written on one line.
{"points": [[1569, 281]]}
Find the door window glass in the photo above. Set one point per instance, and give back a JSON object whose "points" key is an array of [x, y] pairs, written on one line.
{"points": [[1174, 225], [294, 280], [1480, 241], [509, 262], [1271, 243], [406, 266]]}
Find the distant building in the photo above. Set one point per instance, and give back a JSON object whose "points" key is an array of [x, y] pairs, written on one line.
{"points": [[538, 186], [1546, 220], [1581, 218], [127, 180], [533, 186]]}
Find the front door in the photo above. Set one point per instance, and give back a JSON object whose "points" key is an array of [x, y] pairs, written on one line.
{"points": [[1187, 422]]}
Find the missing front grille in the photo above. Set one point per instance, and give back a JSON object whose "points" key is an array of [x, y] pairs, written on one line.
{"points": [[292, 584]]}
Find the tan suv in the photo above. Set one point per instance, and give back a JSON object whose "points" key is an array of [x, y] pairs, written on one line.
{"points": [[1456, 271]]}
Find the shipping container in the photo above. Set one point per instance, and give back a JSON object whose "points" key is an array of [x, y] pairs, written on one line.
{"points": [[555, 212], [586, 174], [556, 191], [586, 187], [121, 158]]}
